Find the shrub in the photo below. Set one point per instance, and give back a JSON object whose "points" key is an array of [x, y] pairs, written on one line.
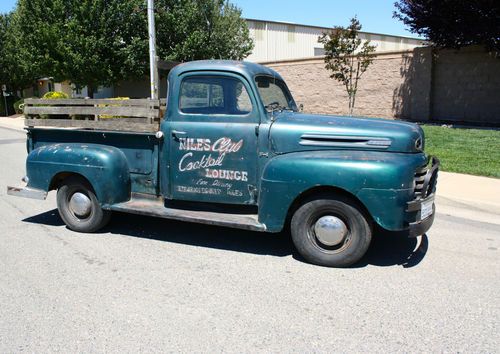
{"points": [[55, 95], [19, 106]]}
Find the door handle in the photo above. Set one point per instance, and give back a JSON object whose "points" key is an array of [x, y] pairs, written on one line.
{"points": [[177, 133]]}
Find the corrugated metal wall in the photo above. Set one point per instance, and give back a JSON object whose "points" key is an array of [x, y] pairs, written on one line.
{"points": [[282, 41]]}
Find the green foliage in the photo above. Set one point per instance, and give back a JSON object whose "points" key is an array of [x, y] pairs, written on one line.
{"points": [[55, 95], [4, 25], [453, 23], [15, 72], [19, 106], [347, 57], [201, 29], [463, 150]]}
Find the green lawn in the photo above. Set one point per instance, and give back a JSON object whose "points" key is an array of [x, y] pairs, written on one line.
{"points": [[463, 150]]}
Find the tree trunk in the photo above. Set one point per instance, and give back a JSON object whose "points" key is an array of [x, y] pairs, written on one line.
{"points": [[90, 91], [351, 104]]}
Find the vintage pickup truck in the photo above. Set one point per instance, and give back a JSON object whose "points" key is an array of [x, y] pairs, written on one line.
{"points": [[233, 149]]}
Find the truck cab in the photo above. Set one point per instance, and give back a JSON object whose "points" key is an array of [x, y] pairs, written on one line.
{"points": [[234, 150]]}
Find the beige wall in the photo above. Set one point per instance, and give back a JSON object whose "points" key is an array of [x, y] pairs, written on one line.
{"points": [[64, 87], [466, 86], [456, 86]]}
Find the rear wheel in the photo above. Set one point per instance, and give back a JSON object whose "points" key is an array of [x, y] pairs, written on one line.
{"points": [[78, 206], [332, 232]]}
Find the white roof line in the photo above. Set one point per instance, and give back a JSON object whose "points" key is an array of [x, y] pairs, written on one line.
{"points": [[330, 28]]}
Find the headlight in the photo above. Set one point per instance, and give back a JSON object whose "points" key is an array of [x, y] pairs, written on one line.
{"points": [[418, 144]]}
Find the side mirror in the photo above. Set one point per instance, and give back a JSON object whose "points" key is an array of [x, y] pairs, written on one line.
{"points": [[301, 107]]}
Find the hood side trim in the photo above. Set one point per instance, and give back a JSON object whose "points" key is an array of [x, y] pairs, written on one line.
{"points": [[344, 141]]}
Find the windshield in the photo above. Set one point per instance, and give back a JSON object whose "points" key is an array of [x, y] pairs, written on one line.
{"points": [[275, 94]]}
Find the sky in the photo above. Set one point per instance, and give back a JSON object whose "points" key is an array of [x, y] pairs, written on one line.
{"points": [[374, 15]]}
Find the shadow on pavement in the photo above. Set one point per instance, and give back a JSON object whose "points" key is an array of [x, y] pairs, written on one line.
{"points": [[387, 249], [49, 218], [393, 248]]}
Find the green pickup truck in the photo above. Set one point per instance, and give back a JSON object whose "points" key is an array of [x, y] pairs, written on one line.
{"points": [[232, 149]]}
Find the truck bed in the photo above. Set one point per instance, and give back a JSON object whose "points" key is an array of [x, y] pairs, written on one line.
{"points": [[140, 149]]}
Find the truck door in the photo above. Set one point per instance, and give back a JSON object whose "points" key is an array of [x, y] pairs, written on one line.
{"points": [[213, 140]]}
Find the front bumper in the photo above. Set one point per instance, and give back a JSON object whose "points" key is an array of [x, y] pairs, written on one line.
{"points": [[416, 207], [27, 192], [420, 227]]}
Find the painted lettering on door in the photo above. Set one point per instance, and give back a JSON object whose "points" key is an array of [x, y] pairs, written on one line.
{"points": [[212, 172]]}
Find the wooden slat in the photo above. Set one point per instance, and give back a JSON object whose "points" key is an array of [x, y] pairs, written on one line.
{"points": [[142, 120], [108, 124], [111, 111], [142, 102]]}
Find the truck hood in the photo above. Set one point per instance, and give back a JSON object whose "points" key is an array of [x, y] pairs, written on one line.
{"points": [[293, 132]]}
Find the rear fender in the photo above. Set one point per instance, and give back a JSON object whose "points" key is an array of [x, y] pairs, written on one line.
{"points": [[105, 167]]}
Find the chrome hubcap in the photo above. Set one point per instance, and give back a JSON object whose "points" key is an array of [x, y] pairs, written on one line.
{"points": [[330, 230], [80, 205]]}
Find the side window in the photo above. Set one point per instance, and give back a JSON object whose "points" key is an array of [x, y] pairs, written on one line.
{"points": [[214, 95], [243, 102]]}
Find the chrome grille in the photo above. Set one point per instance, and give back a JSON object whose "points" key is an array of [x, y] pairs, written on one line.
{"points": [[425, 178], [419, 181]]}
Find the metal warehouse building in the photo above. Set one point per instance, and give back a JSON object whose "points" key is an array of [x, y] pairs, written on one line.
{"points": [[284, 41]]}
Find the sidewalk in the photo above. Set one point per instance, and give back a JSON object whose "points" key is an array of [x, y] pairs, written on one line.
{"points": [[12, 123], [467, 196]]}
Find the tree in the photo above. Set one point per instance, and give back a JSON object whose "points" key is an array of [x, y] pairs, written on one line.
{"points": [[201, 29], [4, 28], [347, 57], [88, 42], [453, 23], [12, 72], [102, 42]]}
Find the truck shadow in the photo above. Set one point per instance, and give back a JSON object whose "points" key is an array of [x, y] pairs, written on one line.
{"points": [[394, 248], [387, 249]]}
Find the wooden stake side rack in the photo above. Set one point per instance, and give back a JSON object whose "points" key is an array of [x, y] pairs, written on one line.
{"points": [[135, 115]]}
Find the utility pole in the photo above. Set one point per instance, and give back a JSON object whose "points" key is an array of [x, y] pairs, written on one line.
{"points": [[153, 70]]}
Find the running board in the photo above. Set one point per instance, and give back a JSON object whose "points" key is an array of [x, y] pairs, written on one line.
{"points": [[156, 207]]}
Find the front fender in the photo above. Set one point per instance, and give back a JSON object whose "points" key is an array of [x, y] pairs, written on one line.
{"points": [[105, 167], [381, 181]]}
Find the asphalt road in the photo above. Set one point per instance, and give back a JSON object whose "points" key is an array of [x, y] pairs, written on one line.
{"points": [[145, 284]]}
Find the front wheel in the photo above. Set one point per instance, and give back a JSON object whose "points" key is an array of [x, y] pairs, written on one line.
{"points": [[332, 232], [78, 206]]}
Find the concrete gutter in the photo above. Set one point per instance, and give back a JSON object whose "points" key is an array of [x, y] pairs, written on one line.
{"points": [[466, 196], [469, 197]]}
